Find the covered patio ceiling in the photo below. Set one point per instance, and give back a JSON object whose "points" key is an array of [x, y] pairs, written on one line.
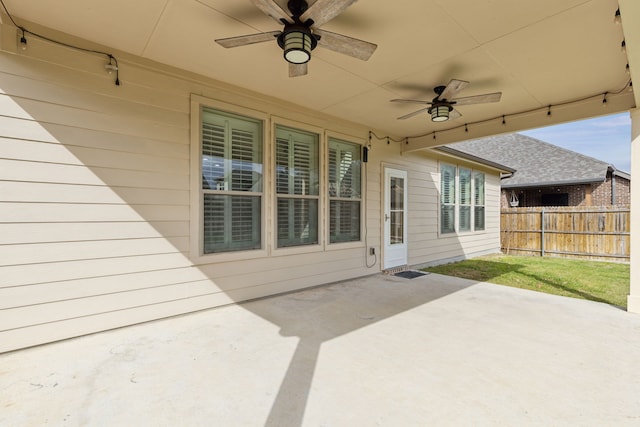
{"points": [[537, 53]]}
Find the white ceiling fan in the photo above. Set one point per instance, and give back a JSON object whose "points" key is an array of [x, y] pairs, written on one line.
{"points": [[301, 33], [441, 107]]}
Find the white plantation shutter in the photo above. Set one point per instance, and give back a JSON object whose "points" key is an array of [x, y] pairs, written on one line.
{"points": [[478, 201], [231, 181], [297, 182], [344, 191], [213, 155], [464, 177], [469, 202], [447, 198]]}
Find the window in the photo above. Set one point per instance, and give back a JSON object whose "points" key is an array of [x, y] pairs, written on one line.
{"points": [[447, 199], [555, 199], [297, 187], [464, 203], [462, 199], [478, 201], [344, 191], [231, 159]]}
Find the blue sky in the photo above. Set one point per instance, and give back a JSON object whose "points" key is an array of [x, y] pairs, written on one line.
{"points": [[606, 138]]}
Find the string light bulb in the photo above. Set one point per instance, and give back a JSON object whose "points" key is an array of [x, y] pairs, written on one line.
{"points": [[616, 18], [627, 70], [110, 68], [623, 46], [23, 41]]}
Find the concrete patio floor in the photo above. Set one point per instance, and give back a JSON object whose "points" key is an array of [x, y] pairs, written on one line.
{"points": [[376, 351]]}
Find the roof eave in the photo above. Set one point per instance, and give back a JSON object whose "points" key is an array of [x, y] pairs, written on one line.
{"points": [[553, 183], [471, 157]]}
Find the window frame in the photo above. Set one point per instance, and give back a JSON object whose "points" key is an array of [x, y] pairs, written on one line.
{"points": [[362, 200], [197, 255], [476, 205], [457, 205], [277, 121], [292, 195]]}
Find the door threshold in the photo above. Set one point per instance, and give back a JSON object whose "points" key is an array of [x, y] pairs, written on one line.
{"points": [[394, 270]]}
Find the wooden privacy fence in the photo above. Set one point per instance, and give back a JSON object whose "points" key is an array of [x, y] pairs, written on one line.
{"points": [[598, 233]]}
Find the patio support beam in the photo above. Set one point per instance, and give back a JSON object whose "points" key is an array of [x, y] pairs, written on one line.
{"points": [[633, 300]]}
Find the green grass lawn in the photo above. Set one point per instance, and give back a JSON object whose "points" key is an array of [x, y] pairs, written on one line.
{"points": [[596, 281]]}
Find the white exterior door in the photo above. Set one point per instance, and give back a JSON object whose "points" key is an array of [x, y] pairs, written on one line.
{"points": [[395, 218]]}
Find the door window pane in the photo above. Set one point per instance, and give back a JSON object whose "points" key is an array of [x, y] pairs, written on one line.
{"points": [[396, 193]]}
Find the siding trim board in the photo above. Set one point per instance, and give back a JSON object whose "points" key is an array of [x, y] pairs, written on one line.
{"points": [[99, 219]]}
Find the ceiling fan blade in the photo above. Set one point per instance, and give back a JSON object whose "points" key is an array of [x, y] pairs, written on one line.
{"points": [[454, 86], [323, 11], [454, 114], [248, 39], [296, 70], [415, 113], [478, 99], [412, 101], [345, 45], [273, 9]]}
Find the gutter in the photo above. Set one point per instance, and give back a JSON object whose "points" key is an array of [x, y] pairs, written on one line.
{"points": [[553, 183]]}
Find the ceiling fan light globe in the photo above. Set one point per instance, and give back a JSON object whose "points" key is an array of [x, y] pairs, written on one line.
{"points": [[297, 47], [439, 113]]}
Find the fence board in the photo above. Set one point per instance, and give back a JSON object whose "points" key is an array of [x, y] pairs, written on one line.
{"points": [[597, 233]]}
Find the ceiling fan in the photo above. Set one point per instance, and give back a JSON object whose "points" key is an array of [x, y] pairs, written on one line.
{"points": [[441, 107], [301, 33]]}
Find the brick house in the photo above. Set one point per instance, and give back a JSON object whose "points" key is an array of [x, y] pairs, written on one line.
{"points": [[548, 175]]}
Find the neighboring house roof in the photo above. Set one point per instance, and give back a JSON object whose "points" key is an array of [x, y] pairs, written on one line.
{"points": [[537, 163]]}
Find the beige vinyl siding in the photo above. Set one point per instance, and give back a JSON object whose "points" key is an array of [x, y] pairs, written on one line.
{"points": [[426, 245], [96, 199]]}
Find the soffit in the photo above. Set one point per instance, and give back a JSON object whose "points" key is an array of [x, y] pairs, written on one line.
{"points": [[537, 53]]}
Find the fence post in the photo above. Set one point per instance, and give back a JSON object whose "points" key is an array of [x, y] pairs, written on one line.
{"points": [[542, 232]]}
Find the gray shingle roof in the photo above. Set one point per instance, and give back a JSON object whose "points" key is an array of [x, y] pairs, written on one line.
{"points": [[537, 163]]}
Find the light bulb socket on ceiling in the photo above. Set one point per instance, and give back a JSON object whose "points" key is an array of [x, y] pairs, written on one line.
{"points": [[297, 42], [439, 113], [111, 68], [23, 41]]}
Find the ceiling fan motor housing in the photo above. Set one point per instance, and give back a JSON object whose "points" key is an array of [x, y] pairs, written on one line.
{"points": [[297, 7]]}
